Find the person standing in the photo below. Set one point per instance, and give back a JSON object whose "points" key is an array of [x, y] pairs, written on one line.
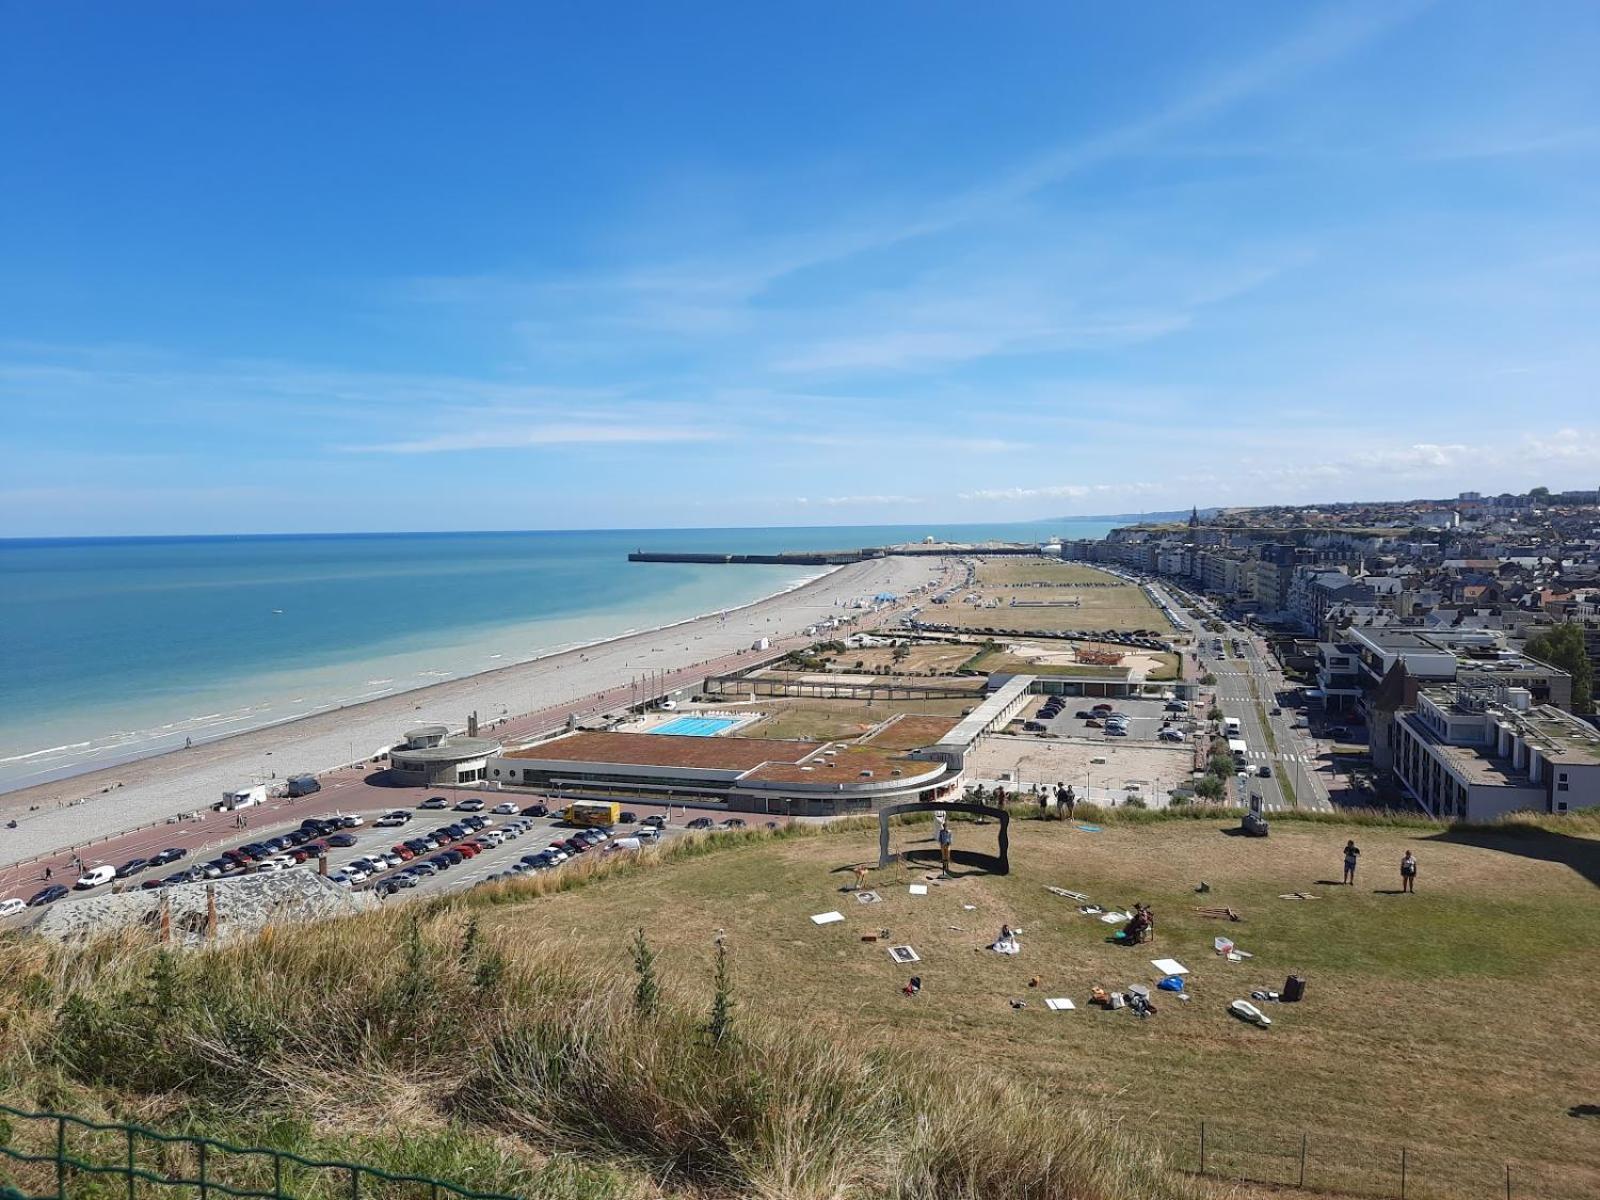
{"points": [[1072, 801], [944, 847], [1408, 872], [1351, 853]]}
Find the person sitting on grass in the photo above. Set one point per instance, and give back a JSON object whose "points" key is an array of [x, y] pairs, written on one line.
{"points": [[1007, 942], [1141, 927]]}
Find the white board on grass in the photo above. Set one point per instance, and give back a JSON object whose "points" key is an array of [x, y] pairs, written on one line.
{"points": [[919, 889], [1113, 918], [1169, 966], [827, 918], [1059, 1005]]}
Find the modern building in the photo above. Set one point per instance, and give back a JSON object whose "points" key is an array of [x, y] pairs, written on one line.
{"points": [[1475, 752], [760, 775], [1466, 656], [433, 756]]}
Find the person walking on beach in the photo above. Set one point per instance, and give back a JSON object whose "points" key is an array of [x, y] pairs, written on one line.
{"points": [[1408, 872], [1351, 853]]}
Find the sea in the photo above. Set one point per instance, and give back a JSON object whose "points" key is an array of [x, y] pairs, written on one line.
{"points": [[113, 649]]}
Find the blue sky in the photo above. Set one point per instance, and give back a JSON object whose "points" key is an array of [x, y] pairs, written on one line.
{"points": [[277, 267]]}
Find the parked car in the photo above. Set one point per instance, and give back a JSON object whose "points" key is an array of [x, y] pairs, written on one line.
{"points": [[1091, 723], [171, 854], [656, 820], [647, 833], [94, 877], [12, 906], [470, 804], [1083, 714], [132, 867], [1104, 708], [701, 823], [343, 840], [1276, 711], [351, 821], [536, 810], [506, 808], [47, 895], [733, 823], [1033, 726], [435, 802], [628, 818], [391, 820], [1116, 731]]}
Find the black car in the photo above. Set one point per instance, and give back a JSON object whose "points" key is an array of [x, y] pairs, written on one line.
{"points": [[536, 810], [171, 854], [132, 867], [299, 837], [342, 839], [254, 851], [1083, 714], [440, 863], [629, 818], [48, 895], [416, 846], [455, 857], [701, 823]]}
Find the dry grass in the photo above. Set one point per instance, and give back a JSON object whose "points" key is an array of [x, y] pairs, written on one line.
{"points": [[823, 720], [525, 1065], [925, 658], [1121, 606], [1456, 1023]]}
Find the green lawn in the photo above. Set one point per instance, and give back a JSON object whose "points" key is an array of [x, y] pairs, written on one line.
{"points": [[1458, 1024]]}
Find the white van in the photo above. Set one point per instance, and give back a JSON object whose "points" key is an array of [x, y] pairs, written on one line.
{"points": [[94, 878], [11, 907]]}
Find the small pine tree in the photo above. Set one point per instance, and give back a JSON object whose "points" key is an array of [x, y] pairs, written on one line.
{"points": [[721, 1025], [646, 992]]}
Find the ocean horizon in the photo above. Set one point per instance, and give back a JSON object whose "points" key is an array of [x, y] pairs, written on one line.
{"points": [[119, 648]]}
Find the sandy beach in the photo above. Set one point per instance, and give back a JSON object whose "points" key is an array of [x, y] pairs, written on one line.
{"points": [[85, 807]]}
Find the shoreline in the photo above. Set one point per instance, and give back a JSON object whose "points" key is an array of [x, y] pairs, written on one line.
{"points": [[110, 799], [114, 765]]}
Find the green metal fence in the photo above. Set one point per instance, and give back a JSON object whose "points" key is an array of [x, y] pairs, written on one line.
{"points": [[58, 1156]]}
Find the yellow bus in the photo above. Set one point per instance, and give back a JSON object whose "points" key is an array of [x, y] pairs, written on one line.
{"points": [[593, 812]]}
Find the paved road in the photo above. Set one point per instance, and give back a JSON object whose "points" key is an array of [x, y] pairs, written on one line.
{"points": [[1294, 758]]}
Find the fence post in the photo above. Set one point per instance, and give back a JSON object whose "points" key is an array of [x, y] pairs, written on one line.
{"points": [[1508, 1181], [1402, 1173], [61, 1158], [204, 1183], [277, 1175], [1202, 1147], [1302, 1160], [355, 1183], [130, 1162]]}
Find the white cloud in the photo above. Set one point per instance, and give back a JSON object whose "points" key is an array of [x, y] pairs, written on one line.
{"points": [[547, 435], [837, 501]]}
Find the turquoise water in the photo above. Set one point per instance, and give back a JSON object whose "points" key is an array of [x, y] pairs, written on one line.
{"points": [[120, 647], [696, 726]]}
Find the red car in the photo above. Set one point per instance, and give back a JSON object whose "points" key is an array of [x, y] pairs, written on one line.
{"points": [[405, 852], [470, 849]]}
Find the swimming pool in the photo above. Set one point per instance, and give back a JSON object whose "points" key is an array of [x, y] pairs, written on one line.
{"points": [[697, 726]]}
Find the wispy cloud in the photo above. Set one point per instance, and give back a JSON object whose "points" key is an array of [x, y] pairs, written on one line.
{"points": [[503, 438], [852, 501]]}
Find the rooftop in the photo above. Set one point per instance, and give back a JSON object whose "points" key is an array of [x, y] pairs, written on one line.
{"points": [[669, 750], [910, 733]]}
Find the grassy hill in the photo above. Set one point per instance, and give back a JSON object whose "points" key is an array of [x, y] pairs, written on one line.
{"points": [[498, 1037]]}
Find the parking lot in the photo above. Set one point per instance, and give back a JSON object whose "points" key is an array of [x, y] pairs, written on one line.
{"points": [[1145, 719], [463, 840]]}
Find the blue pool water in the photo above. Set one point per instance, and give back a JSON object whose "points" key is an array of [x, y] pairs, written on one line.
{"points": [[697, 726]]}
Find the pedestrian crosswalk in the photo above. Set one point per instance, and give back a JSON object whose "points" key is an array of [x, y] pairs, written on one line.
{"points": [[1264, 756]]}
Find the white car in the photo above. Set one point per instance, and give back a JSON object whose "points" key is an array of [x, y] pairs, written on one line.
{"points": [[390, 820], [357, 875], [493, 837], [507, 809], [352, 821], [9, 908]]}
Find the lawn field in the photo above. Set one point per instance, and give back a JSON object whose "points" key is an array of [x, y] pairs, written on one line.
{"points": [[925, 658], [1460, 1024], [821, 720], [1119, 606], [999, 571]]}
